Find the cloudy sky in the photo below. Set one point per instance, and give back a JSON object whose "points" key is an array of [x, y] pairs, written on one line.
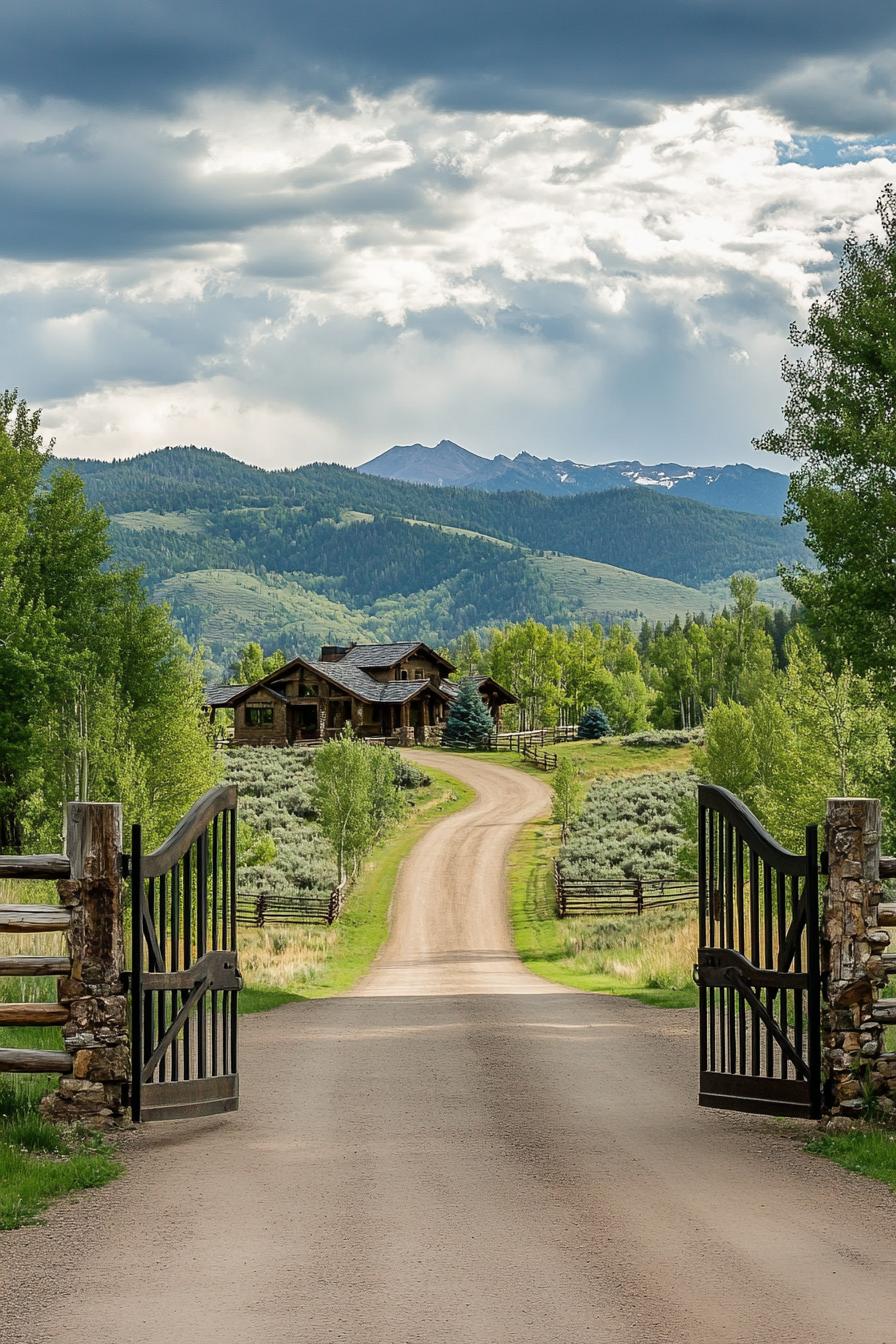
{"points": [[306, 229]]}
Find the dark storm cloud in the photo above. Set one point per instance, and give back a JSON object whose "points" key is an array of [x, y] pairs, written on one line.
{"points": [[568, 56]]}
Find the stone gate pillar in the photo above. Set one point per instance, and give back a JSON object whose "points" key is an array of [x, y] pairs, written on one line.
{"points": [[96, 1033], [852, 959]]}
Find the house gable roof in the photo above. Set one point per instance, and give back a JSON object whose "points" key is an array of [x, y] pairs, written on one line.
{"points": [[482, 683], [380, 657]]}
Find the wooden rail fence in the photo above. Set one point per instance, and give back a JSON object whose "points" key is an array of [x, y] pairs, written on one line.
{"points": [[34, 919], [256, 910], [618, 895], [542, 760]]}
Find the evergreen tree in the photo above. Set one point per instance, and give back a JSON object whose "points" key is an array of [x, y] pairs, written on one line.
{"points": [[469, 723], [594, 723]]}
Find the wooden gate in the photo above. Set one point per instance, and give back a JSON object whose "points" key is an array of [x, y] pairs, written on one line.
{"points": [[184, 970], [757, 964]]}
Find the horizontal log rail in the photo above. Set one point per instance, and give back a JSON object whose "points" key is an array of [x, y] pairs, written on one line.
{"points": [[33, 918], [35, 1061], [542, 760], [35, 966], [618, 895], [887, 866], [256, 910], [52, 866], [33, 1014]]}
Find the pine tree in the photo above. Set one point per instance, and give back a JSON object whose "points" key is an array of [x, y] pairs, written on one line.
{"points": [[469, 723], [594, 723]]}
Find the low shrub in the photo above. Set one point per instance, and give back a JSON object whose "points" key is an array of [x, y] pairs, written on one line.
{"points": [[664, 737], [629, 827]]}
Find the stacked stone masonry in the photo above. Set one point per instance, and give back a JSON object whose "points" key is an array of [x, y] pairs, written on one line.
{"points": [[860, 1073]]}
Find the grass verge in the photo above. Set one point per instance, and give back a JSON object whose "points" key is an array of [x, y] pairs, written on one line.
{"points": [[287, 964], [594, 760], [870, 1152], [40, 1161], [630, 956]]}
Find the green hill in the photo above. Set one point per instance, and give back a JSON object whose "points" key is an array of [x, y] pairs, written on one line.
{"points": [[324, 554], [678, 539]]}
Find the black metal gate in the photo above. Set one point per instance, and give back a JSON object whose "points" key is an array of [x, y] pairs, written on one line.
{"points": [[184, 970], [757, 965]]}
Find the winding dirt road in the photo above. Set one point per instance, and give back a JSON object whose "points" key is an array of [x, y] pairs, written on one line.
{"points": [[459, 1153]]}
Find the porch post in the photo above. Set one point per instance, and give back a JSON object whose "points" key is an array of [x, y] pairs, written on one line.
{"points": [[95, 1034], [852, 963]]}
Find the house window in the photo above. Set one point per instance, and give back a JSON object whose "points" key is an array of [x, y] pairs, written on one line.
{"points": [[418, 675], [259, 716], [404, 674]]}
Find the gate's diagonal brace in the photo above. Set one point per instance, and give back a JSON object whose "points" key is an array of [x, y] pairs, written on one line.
{"points": [[771, 1025], [180, 1018], [214, 971], [723, 968]]}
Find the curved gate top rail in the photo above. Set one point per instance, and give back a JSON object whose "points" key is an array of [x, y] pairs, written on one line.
{"points": [[750, 829], [184, 969], [188, 829], [758, 964]]}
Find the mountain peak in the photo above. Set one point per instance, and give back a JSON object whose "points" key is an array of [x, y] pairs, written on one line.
{"points": [[740, 487]]}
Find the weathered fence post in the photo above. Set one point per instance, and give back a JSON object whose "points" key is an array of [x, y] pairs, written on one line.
{"points": [[96, 1032], [852, 959]]}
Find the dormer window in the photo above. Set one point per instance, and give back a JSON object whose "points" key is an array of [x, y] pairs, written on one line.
{"points": [[403, 675]]}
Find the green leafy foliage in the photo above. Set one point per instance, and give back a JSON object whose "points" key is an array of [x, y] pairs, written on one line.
{"points": [[101, 695], [841, 431], [356, 797], [812, 736]]}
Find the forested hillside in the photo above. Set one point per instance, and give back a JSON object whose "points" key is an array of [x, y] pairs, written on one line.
{"points": [[321, 554], [676, 539]]}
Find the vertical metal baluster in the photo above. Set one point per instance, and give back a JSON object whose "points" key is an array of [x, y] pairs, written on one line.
{"points": [[136, 969], [711, 901], [813, 973], [702, 903], [201, 938], [188, 952], [768, 930], [148, 997], [723, 941], [754, 957], [225, 996], [161, 995], [799, 930], [782, 934], [733, 996], [233, 942], [215, 843], [741, 947], [175, 964]]}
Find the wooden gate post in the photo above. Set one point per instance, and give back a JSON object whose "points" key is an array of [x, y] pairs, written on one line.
{"points": [[852, 959], [94, 992]]}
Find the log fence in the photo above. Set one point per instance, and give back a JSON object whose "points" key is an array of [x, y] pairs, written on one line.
{"points": [[18, 919], [258, 909], [542, 760], [617, 895]]}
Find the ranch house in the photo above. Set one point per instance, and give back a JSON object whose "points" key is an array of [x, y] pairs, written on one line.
{"points": [[382, 690]]}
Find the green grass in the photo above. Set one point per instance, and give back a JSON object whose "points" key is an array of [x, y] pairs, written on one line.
{"points": [[192, 521], [238, 606], [595, 760], [542, 939], [870, 1152], [364, 923], [592, 589], [38, 1160]]}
